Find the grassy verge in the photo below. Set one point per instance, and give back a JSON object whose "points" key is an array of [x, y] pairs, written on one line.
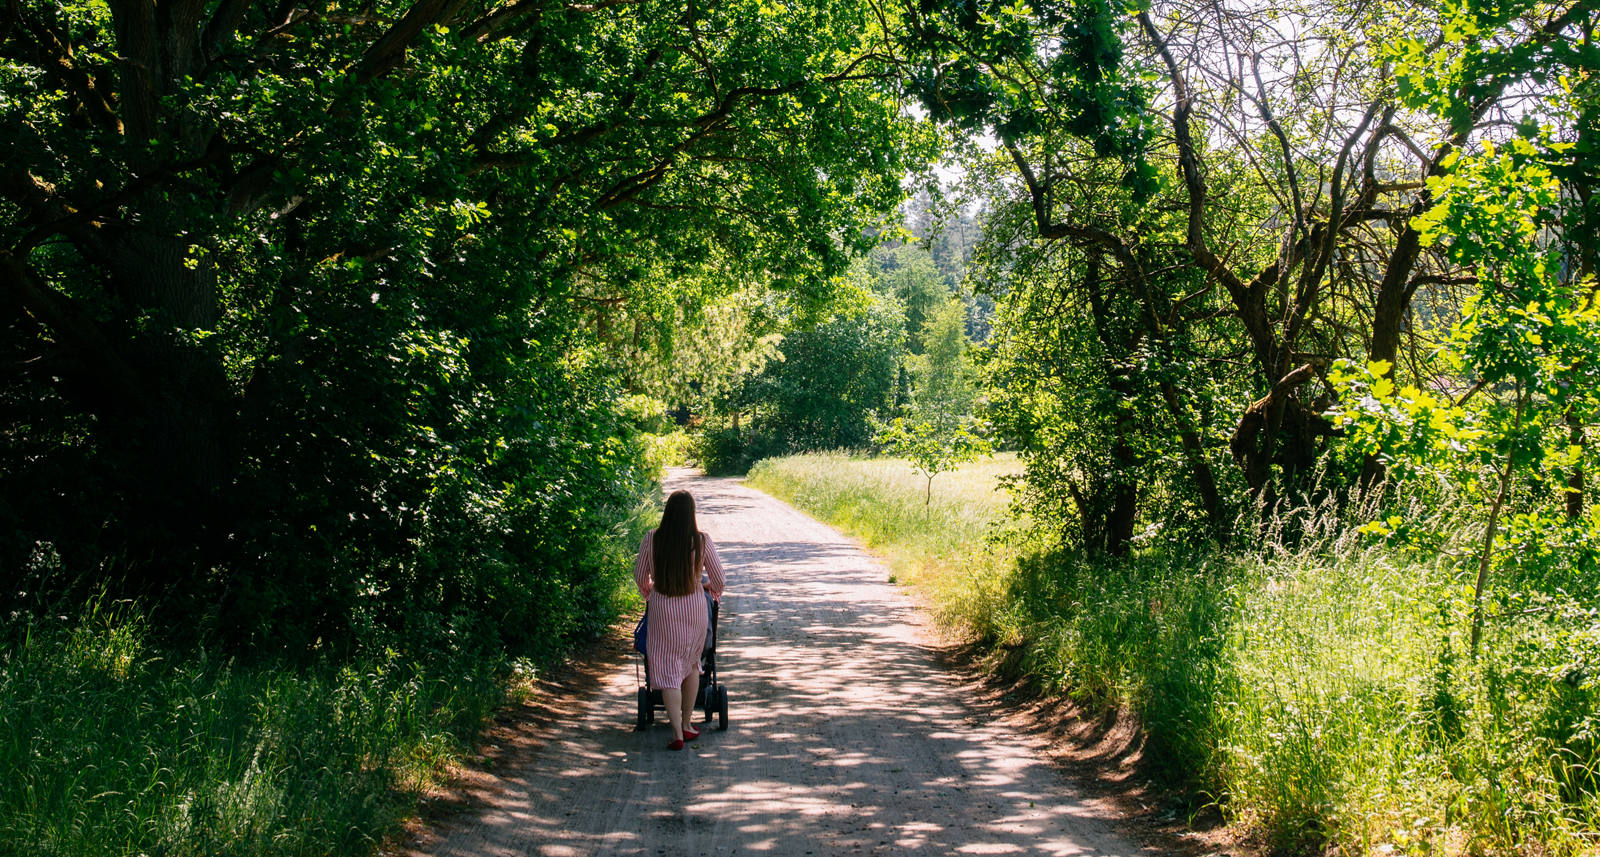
{"points": [[110, 745], [1324, 697], [942, 546], [110, 748]]}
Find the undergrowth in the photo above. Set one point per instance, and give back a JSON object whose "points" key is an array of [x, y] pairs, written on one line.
{"points": [[1324, 696], [111, 747], [114, 743]]}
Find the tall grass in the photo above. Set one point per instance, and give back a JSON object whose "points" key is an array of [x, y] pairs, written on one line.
{"points": [[112, 745], [1323, 696], [107, 748], [941, 544]]}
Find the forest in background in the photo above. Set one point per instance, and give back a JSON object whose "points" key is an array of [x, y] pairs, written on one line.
{"points": [[344, 341]]}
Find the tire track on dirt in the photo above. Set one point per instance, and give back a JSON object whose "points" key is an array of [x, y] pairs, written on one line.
{"points": [[845, 737]]}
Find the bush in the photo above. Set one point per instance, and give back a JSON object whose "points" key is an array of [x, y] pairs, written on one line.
{"points": [[721, 450], [673, 449]]}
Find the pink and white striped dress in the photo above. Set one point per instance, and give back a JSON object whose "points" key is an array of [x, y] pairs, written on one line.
{"points": [[677, 629]]}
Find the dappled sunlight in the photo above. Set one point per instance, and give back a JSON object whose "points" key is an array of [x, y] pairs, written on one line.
{"points": [[844, 736]]}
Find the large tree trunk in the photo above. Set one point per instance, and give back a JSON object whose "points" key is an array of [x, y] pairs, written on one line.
{"points": [[1281, 430], [164, 411]]}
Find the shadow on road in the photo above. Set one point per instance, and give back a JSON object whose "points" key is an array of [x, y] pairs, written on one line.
{"points": [[845, 737]]}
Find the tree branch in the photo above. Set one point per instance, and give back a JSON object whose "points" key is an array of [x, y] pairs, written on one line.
{"points": [[708, 123], [1248, 299], [389, 50], [51, 52], [73, 328]]}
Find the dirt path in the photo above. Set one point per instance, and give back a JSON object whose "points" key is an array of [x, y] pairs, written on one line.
{"points": [[844, 736]]}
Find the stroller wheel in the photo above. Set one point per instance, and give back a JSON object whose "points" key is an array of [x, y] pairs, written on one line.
{"points": [[647, 713], [722, 707]]}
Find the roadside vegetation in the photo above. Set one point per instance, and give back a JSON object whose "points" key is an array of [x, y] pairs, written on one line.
{"points": [[340, 350], [338, 346], [111, 747], [1320, 694], [114, 742], [946, 546]]}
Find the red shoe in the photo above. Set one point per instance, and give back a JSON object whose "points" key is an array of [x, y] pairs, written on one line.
{"points": [[675, 745], [690, 733]]}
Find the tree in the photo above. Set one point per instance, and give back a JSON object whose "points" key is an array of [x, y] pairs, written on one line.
{"points": [[831, 378], [316, 308], [944, 380], [1505, 425], [931, 448], [947, 230], [1177, 148], [937, 431], [906, 273]]}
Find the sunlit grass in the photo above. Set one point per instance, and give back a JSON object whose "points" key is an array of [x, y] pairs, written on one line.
{"points": [[941, 545], [108, 748], [1323, 695]]}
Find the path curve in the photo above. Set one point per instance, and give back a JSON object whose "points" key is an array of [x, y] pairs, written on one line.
{"points": [[844, 738]]}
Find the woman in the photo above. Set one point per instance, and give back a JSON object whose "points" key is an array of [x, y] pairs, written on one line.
{"points": [[668, 574]]}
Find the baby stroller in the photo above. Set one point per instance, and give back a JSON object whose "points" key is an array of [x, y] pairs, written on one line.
{"points": [[713, 697]]}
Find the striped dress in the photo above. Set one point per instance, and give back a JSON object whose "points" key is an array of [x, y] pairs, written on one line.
{"points": [[676, 632]]}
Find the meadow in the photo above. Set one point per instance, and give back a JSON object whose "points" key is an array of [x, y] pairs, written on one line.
{"points": [[1322, 696], [940, 541]]}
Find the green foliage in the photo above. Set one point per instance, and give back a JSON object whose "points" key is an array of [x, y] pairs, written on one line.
{"points": [[943, 378], [695, 347], [937, 431], [338, 339], [1074, 380], [931, 448], [942, 224], [908, 275], [112, 747], [831, 377], [341, 329], [775, 397], [1322, 688], [1477, 43], [723, 448], [971, 57], [1320, 694], [820, 392], [1506, 424], [671, 449]]}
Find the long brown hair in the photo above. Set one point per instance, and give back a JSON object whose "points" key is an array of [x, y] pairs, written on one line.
{"points": [[677, 547]]}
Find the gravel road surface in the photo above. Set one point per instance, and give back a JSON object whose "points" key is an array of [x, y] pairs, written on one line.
{"points": [[845, 737]]}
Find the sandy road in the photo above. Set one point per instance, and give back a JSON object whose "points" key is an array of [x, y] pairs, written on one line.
{"points": [[844, 736]]}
